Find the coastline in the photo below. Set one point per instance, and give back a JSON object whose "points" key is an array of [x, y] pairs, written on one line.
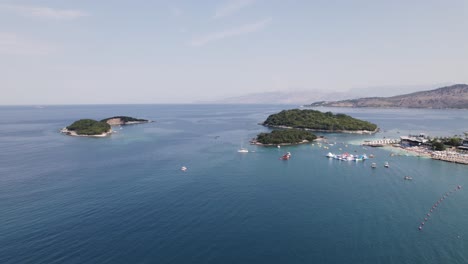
{"points": [[255, 142], [446, 155], [74, 134]]}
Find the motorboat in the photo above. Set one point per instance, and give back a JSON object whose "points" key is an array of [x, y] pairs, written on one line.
{"points": [[286, 156], [373, 165], [408, 178], [386, 165], [243, 150], [183, 168]]}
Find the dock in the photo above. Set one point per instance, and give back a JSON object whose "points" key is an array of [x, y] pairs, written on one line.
{"points": [[380, 142], [449, 156]]}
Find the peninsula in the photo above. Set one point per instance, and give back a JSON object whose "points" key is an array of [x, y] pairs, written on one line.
{"points": [[94, 128], [455, 96], [314, 120]]}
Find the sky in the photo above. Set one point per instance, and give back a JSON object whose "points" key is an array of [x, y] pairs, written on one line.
{"points": [[111, 52]]}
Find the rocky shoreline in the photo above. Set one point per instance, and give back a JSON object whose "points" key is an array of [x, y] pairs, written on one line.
{"points": [[74, 134], [255, 142]]}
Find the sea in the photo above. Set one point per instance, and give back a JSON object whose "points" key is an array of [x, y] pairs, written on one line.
{"points": [[125, 199]]}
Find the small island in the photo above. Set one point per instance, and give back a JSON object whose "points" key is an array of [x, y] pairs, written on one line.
{"points": [[284, 137], [318, 121], [124, 120], [93, 128]]}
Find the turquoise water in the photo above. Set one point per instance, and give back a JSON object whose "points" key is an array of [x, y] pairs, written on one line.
{"points": [[123, 199]]}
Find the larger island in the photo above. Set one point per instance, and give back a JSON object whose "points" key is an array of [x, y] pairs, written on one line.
{"points": [[294, 126], [314, 120], [94, 128]]}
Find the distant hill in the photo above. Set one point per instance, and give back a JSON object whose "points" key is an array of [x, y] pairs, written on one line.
{"points": [[315, 94], [455, 96]]}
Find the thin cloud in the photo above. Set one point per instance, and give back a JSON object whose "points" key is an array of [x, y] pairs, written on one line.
{"points": [[245, 29], [45, 12], [232, 7], [176, 11], [13, 44]]}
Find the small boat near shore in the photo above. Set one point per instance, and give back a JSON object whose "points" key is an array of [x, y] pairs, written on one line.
{"points": [[286, 156]]}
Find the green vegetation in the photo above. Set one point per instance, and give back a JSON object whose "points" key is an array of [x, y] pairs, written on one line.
{"points": [[312, 119], [437, 145], [89, 127], [291, 136], [126, 119], [440, 143], [452, 141]]}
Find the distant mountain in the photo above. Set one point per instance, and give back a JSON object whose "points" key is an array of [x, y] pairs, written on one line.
{"points": [[302, 97], [282, 97], [454, 96]]}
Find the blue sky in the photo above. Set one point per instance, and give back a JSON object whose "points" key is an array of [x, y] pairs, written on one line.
{"points": [[87, 51]]}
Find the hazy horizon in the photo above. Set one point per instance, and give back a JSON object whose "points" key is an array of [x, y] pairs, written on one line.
{"points": [[58, 53]]}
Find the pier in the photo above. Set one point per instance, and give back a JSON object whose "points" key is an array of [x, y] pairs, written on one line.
{"points": [[450, 156], [381, 142]]}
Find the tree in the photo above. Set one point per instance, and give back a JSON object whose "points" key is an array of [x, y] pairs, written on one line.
{"points": [[439, 146]]}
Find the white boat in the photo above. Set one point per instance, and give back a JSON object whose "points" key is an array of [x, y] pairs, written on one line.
{"points": [[330, 155], [242, 149], [386, 165], [408, 178], [373, 165], [183, 168]]}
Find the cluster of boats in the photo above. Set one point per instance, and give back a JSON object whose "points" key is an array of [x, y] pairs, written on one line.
{"points": [[347, 157]]}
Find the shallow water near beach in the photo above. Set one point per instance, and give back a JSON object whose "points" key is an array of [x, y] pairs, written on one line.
{"points": [[124, 199]]}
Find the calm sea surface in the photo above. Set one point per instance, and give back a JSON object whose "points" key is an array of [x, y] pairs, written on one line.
{"points": [[124, 199]]}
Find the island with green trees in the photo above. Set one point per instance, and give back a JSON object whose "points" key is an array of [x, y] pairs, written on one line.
{"points": [[124, 120], [94, 128], [318, 121], [284, 137]]}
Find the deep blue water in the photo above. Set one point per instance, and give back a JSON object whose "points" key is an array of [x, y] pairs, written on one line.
{"points": [[123, 199]]}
